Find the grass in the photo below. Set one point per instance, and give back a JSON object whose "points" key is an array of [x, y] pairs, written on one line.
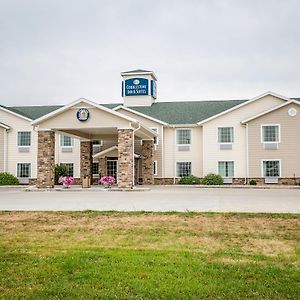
{"points": [[110, 255]]}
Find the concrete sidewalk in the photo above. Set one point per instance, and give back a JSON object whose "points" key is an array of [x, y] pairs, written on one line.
{"points": [[159, 198]]}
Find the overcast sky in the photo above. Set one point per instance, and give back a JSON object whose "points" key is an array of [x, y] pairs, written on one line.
{"points": [[56, 51]]}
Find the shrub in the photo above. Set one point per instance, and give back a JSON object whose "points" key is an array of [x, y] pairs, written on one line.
{"points": [[60, 170], [189, 180], [8, 179], [252, 182], [212, 179]]}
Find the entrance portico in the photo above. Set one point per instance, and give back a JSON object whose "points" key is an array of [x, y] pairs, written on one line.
{"points": [[89, 121]]}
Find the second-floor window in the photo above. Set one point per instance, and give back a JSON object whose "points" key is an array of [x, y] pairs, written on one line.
{"points": [[225, 134], [183, 136], [66, 141], [270, 133], [24, 138]]}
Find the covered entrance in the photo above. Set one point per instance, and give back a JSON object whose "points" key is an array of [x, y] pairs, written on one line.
{"points": [[88, 121]]}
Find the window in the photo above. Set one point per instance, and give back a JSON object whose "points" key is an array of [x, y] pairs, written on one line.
{"points": [[183, 136], [271, 168], [270, 133], [226, 168], [66, 141], [70, 168], [155, 139], [95, 168], [97, 142], [155, 167], [225, 134], [183, 169], [23, 170], [24, 138]]}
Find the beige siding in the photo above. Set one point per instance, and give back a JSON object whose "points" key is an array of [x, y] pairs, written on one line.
{"points": [[172, 155], [1, 149], [98, 118], [158, 149], [289, 147], [211, 149], [13, 155]]}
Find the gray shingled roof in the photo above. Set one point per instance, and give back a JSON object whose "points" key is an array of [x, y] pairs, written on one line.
{"points": [[186, 112]]}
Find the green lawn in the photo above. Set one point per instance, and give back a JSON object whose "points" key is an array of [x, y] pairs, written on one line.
{"points": [[88, 255]]}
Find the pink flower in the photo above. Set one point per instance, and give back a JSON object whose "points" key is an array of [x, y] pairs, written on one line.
{"points": [[107, 180], [66, 180]]}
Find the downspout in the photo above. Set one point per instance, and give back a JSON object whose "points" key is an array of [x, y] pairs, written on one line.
{"points": [[5, 150], [247, 155], [133, 170], [174, 164]]}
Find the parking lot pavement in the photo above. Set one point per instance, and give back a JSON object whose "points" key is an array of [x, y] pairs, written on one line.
{"points": [[160, 198]]}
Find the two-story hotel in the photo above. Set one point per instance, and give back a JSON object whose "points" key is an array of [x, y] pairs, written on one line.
{"points": [[142, 140]]}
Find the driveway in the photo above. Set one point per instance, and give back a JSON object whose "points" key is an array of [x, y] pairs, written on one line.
{"points": [[159, 198]]}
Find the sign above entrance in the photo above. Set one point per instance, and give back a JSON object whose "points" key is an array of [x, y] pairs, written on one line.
{"points": [[83, 114], [136, 87]]}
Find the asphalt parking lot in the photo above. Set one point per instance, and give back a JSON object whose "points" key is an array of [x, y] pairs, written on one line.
{"points": [[158, 198]]}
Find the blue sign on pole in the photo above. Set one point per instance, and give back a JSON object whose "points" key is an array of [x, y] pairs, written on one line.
{"points": [[136, 87]]}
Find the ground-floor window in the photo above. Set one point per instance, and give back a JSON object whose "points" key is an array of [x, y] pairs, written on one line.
{"points": [[271, 168], [23, 170], [70, 168], [226, 168], [183, 168], [95, 168], [155, 167]]}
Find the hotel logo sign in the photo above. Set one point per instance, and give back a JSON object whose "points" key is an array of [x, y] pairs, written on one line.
{"points": [[136, 87], [83, 114]]}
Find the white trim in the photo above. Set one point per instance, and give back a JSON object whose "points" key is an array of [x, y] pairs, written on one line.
{"points": [[155, 163], [270, 110], [105, 151], [23, 146], [230, 160], [243, 104], [227, 143], [262, 167], [261, 133], [129, 73], [183, 161], [140, 114], [72, 162], [4, 126], [65, 135], [15, 114], [23, 162], [178, 129], [5, 150], [66, 107], [157, 137]]}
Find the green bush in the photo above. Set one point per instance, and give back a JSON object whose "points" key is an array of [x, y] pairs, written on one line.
{"points": [[212, 179], [252, 182], [8, 179], [189, 180], [60, 170]]}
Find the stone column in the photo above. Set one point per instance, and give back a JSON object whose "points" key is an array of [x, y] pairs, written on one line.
{"points": [[102, 167], [147, 161], [125, 158], [86, 159], [45, 159]]}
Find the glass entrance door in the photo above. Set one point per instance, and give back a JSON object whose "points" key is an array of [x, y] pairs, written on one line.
{"points": [[112, 167]]}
